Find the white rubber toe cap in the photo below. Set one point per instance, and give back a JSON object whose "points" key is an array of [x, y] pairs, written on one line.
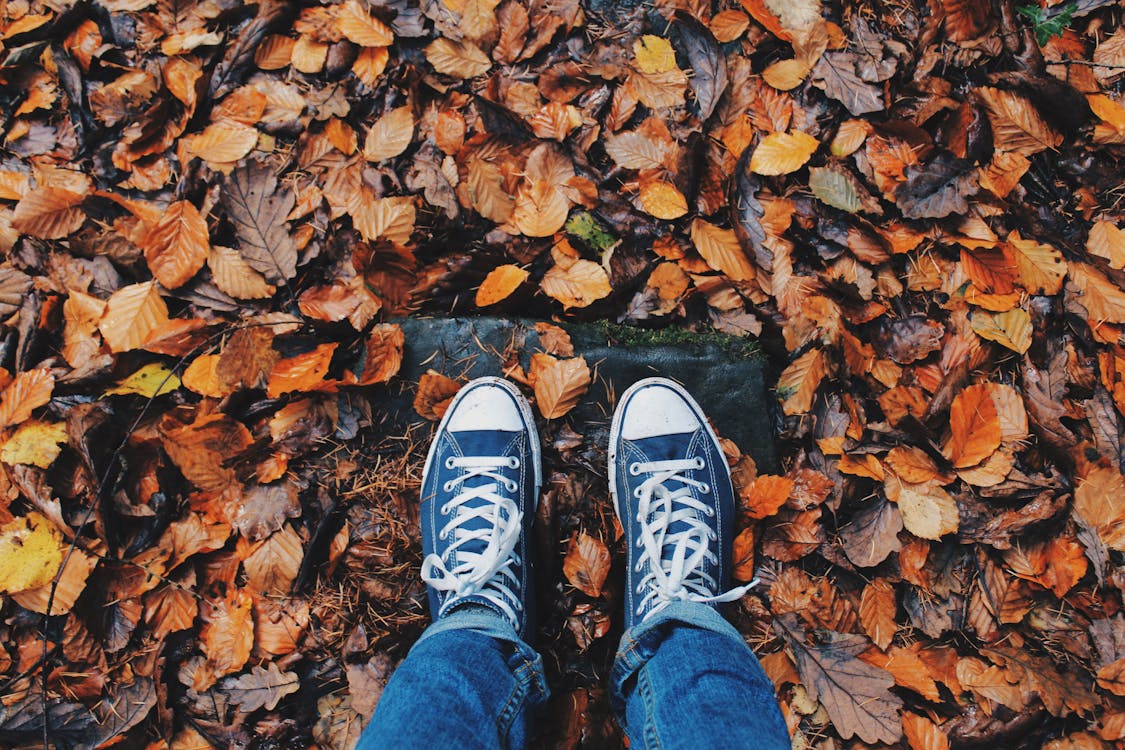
{"points": [[487, 406], [657, 409]]}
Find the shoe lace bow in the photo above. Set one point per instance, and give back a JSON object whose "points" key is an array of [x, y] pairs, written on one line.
{"points": [[675, 559], [464, 569]]}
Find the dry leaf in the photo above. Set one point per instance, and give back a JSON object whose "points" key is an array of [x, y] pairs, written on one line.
{"points": [[435, 393], [721, 249], [975, 427], [586, 564], [499, 284], [559, 386], [390, 135], [782, 153]]}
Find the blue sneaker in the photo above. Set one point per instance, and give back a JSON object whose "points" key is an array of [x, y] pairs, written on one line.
{"points": [[672, 491], [480, 487]]}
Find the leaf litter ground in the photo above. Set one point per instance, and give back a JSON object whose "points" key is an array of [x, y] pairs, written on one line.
{"points": [[209, 210]]}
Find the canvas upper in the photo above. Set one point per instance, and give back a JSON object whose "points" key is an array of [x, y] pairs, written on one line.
{"points": [[480, 487]]}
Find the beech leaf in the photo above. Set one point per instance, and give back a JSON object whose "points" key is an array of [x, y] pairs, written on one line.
{"points": [[258, 210]]}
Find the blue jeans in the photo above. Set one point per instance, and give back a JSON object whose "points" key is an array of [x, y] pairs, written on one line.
{"points": [[684, 678]]}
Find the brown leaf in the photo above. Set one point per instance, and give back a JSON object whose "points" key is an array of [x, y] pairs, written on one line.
{"points": [[247, 359], [872, 534], [1017, 126], [273, 564], [201, 449], [877, 610], [49, 213], [586, 564], [383, 355], [576, 283], [304, 372], [258, 209], [261, 688], [390, 135], [226, 637], [235, 277], [856, 695], [435, 392], [742, 555], [559, 386], [721, 249], [131, 314], [28, 391], [176, 247]]}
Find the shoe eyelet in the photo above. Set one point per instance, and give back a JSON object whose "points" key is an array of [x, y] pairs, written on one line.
{"points": [[709, 511], [512, 486], [705, 489], [443, 535], [712, 535], [700, 463], [449, 462], [637, 568], [634, 469], [638, 590], [444, 509], [513, 462], [637, 493], [447, 487]]}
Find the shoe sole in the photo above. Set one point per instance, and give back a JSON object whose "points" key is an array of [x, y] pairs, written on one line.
{"points": [[528, 419], [615, 429]]}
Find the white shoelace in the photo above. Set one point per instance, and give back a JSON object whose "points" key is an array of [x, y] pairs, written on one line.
{"points": [[487, 574], [680, 577]]}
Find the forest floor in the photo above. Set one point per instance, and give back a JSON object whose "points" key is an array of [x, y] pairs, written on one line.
{"points": [[212, 212]]}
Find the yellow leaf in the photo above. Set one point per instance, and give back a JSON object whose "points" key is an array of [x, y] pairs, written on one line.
{"points": [[223, 142], [663, 200], [390, 218], [30, 553], [152, 380], [202, 377], [34, 443], [390, 135], [849, 137], [499, 284], [72, 582], [927, 510], [785, 75], [782, 153], [798, 382], [1011, 329], [1101, 298], [654, 54], [721, 249], [1107, 241]]}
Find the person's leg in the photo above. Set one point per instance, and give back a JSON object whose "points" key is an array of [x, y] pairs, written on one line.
{"points": [[683, 675], [472, 680], [469, 682], [686, 679]]}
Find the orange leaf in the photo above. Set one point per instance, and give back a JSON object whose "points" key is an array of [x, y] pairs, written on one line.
{"points": [[131, 313], [499, 284], [201, 449], [721, 249], [576, 284], [234, 276], [662, 200], [383, 357], [223, 142], [862, 465], [435, 392], [28, 391], [766, 495], [226, 637], [359, 27], [975, 427], [176, 247], [273, 564], [877, 609], [1066, 564], [798, 382], [49, 213], [586, 564], [560, 385], [921, 733], [201, 377], [390, 135], [911, 464], [743, 555], [669, 281], [305, 372], [782, 153], [728, 25], [1106, 240], [763, 15]]}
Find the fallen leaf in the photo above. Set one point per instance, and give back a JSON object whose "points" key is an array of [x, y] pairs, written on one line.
{"points": [[499, 284], [662, 200], [261, 688], [577, 284], [304, 372], [782, 153], [559, 386], [257, 209], [766, 495], [34, 443], [435, 392], [975, 427], [27, 392], [31, 553], [152, 380], [721, 249], [131, 314], [586, 564], [927, 510], [390, 135], [877, 610]]}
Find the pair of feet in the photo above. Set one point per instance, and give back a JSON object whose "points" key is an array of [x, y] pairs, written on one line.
{"points": [[668, 478]]}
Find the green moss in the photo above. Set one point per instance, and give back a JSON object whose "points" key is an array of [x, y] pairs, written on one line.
{"points": [[735, 347], [585, 227]]}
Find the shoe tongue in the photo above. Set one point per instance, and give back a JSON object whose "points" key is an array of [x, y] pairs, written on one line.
{"points": [[483, 442]]}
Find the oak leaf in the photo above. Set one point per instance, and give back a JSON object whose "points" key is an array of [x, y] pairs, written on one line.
{"points": [[856, 695], [559, 386], [261, 688], [586, 564]]}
